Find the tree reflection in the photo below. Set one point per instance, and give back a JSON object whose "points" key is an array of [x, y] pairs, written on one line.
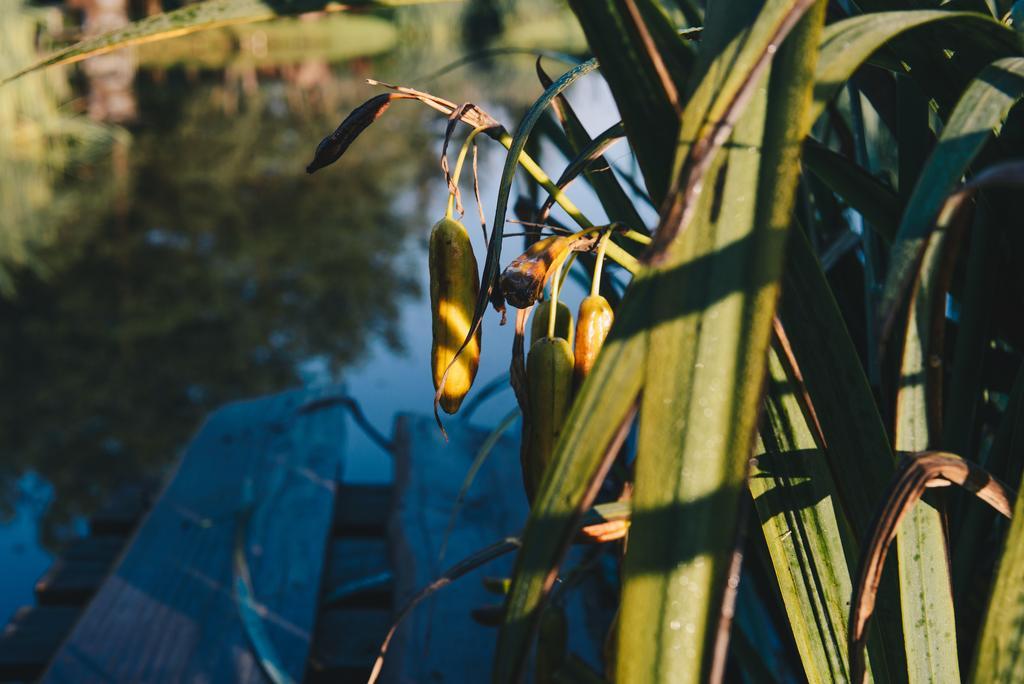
{"points": [[221, 268]]}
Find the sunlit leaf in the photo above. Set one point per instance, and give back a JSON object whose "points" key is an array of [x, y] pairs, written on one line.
{"points": [[719, 281], [811, 546], [847, 44]]}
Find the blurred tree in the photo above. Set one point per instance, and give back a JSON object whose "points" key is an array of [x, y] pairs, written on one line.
{"points": [[224, 270]]}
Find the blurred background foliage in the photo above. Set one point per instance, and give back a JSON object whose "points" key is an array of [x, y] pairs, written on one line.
{"points": [[162, 250]]}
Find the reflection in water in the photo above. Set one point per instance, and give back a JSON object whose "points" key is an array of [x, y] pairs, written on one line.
{"points": [[188, 260], [224, 269], [40, 140]]}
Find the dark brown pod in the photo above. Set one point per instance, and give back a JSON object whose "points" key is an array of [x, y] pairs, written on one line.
{"points": [[523, 280]]}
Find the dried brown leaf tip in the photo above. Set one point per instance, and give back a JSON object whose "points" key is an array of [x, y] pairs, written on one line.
{"points": [[523, 280], [333, 146]]}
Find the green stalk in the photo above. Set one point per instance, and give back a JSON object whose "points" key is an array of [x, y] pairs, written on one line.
{"points": [[602, 247], [615, 253], [458, 170]]}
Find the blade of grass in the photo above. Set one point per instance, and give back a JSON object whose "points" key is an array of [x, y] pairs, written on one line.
{"points": [[589, 156], [616, 203], [847, 44], [718, 281], [736, 48], [197, 17], [918, 472], [811, 546], [998, 656], [856, 445]]}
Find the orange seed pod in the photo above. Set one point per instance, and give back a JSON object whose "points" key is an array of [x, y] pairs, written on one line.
{"points": [[595, 320]]}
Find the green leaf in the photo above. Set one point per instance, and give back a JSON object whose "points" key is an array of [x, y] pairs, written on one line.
{"points": [[847, 44], [875, 200], [811, 546], [189, 19], [646, 109], [857, 447], [980, 111], [923, 557], [580, 461], [718, 282], [737, 45], [975, 40], [616, 203]]}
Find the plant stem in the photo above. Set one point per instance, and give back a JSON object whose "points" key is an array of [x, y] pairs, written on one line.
{"points": [[553, 309], [615, 253], [458, 170], [602, 247]]}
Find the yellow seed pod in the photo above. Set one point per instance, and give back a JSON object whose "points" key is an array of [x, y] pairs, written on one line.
{"points": [[595, 320], [549, 386], [563, 322], [454, 284]]}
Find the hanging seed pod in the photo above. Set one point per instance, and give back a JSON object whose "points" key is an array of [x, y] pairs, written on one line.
{"points": [[523, 280], [595, 320], [454, 283], [563, 322], [549, 377]]}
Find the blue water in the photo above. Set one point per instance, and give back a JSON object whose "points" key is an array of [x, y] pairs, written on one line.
{"points": [[385, 379]]}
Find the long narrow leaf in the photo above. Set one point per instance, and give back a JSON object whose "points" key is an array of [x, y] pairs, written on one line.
{"points": [[1000, 653], [876, 201], [811, 546], [198, 17], [856, 444], [719, 281], [981, 110], [617, 204], [647, 110], [736, 48]]}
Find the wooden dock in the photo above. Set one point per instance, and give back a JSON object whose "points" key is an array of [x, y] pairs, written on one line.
{"points": [[253, 564]]}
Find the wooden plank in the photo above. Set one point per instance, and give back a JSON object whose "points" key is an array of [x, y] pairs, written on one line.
{"points": [[358, 573], [346, 645], [78, 571], [30, 640], [362, 510], [428, 475], [253, 494]]}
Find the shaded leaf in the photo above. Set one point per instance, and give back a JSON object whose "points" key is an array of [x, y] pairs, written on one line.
{"points": [[718, 281], [811, 546], [876, 201], [981, 109], [647, 110]]}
